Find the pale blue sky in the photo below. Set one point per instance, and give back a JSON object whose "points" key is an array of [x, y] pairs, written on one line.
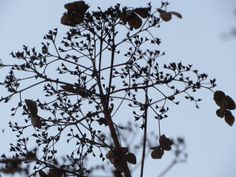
{"points": [[196, 39]]}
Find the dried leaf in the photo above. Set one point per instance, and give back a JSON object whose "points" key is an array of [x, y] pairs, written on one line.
{"points": [[134, 21], [66, 19], [75, 14], [55, 172], [177, 14], [77, 18], [124, 150], [220, 113], [76, 6], [36, 121], [42, 174], [131, 158], [123, 17], [165, 16], [110, 154], [229, 118], [68, 88], [31, 156], [157, 153], [230, 103], [11, 160], [142, 12], [219, 97], [32, 107], [11, 166], [165, 143]]}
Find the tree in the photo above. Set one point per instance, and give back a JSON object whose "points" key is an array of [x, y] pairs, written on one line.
{"points": [[102, 67]]}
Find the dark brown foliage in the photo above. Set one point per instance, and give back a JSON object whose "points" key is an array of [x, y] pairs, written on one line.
{"points": [[165, 143], [132, 16], [167, 16], [226, 103], [157, 153], [75, 13]]}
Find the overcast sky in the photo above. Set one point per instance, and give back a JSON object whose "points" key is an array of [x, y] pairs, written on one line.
{"points": [[196, 39]]}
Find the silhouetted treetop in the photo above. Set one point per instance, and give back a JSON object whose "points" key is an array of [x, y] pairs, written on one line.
{"points": [[84, 100]]}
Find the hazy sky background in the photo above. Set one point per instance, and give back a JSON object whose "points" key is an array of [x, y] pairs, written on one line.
{"points": [[196, 39]]}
